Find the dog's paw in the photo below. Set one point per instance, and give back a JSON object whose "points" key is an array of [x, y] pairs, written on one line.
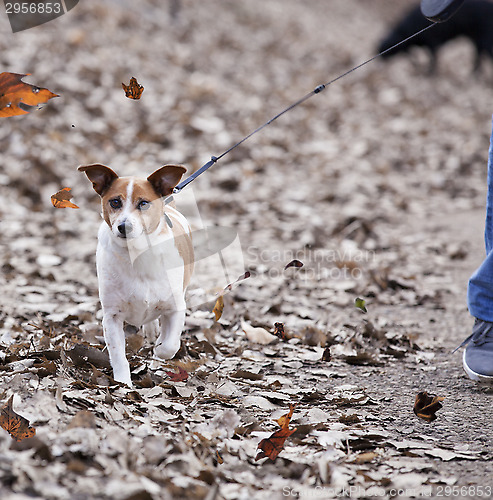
{"points": [[166, 350], [123, 376]]}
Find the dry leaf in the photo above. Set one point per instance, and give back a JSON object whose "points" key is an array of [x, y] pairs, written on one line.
{"points": [[16, 425], [365, 457], [294, 263], [218, 307], [326, 354], [133, 90], [273, 445], [83, 418], [257, 334], [181, 376], [284, 420], [426, 406], [279, 331], [61, 199], [17, 97]]}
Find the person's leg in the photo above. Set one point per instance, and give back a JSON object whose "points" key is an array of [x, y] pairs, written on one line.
{"points": [[478, 356]]}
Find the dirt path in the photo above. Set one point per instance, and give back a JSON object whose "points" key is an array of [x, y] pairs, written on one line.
{"points": [[377, 186]]}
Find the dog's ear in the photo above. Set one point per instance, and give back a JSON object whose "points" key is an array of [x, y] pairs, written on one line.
{"points": [[101, 176], [166, 178]]}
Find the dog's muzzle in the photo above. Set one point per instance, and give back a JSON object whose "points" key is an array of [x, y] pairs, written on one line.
{"points": [[124, 228]]}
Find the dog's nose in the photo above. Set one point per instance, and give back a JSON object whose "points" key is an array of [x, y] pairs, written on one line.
{"points": [[125, 227]]}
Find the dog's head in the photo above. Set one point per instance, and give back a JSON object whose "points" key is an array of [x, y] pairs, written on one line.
{"points": [[133, 206]]}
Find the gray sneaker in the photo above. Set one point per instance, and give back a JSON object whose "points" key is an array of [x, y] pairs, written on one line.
{"points": [[478, 356]]}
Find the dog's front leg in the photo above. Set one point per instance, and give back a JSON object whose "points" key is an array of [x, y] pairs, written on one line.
{"points": [[114, 336], [168, 343]]}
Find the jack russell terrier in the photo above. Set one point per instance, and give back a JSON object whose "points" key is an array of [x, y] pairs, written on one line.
{"points": [[144, 261]]}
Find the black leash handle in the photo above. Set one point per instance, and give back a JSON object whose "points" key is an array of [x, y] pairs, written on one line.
{"points": [[316, 90]]}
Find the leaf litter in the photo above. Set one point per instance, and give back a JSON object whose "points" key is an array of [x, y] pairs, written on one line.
{"points": [[357, 218]]}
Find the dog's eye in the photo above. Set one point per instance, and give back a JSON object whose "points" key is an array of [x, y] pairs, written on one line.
{"points": [[143, 205], [116, 203]]}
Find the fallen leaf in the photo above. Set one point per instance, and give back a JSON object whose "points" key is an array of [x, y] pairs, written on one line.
{"points": [[181, 376], [426, 406], [365, 457], [279, 331], [360, 304], [17, 97], [258, 335], [133, 90], [247, 375], [349, 419], [294, 263], [326, 354], [271, 447], [61, 199], [16, 425], [83, 418], [218, 307]]}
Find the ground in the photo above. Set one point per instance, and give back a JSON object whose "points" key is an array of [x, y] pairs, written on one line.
{"points": [[377, 185]]}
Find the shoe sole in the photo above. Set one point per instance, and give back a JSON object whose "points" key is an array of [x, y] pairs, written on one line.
{"points": [[484, 379]]}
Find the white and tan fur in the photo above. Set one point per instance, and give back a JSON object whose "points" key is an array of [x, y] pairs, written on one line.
{"points": [[144, 261]]}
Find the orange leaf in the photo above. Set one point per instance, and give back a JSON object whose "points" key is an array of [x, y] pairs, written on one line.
{"points": [[181, 376], [133, 90], [61, 199], [218, 307], [15, 425], [285, 419], [273, 445], [426, 406], [17, 97]]}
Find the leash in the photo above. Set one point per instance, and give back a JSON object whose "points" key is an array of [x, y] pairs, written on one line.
{"points": [[436, 11]]}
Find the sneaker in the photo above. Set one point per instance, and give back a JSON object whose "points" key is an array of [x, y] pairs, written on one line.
{"points": [[478, 356]]}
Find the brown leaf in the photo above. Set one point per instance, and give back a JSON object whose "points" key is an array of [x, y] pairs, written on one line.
{"points": [[284, 420], [16, 425], [294, 263], [181, 376], [365, 457], [133, 90], [326, 354], [83, 418], [218, 307], [61, 199], [279, 331], [17, 97], [426, 406], [273, 445]]}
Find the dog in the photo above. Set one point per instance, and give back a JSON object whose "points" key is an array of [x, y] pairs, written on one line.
{"points": [[474, 20], [144, 260]]}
